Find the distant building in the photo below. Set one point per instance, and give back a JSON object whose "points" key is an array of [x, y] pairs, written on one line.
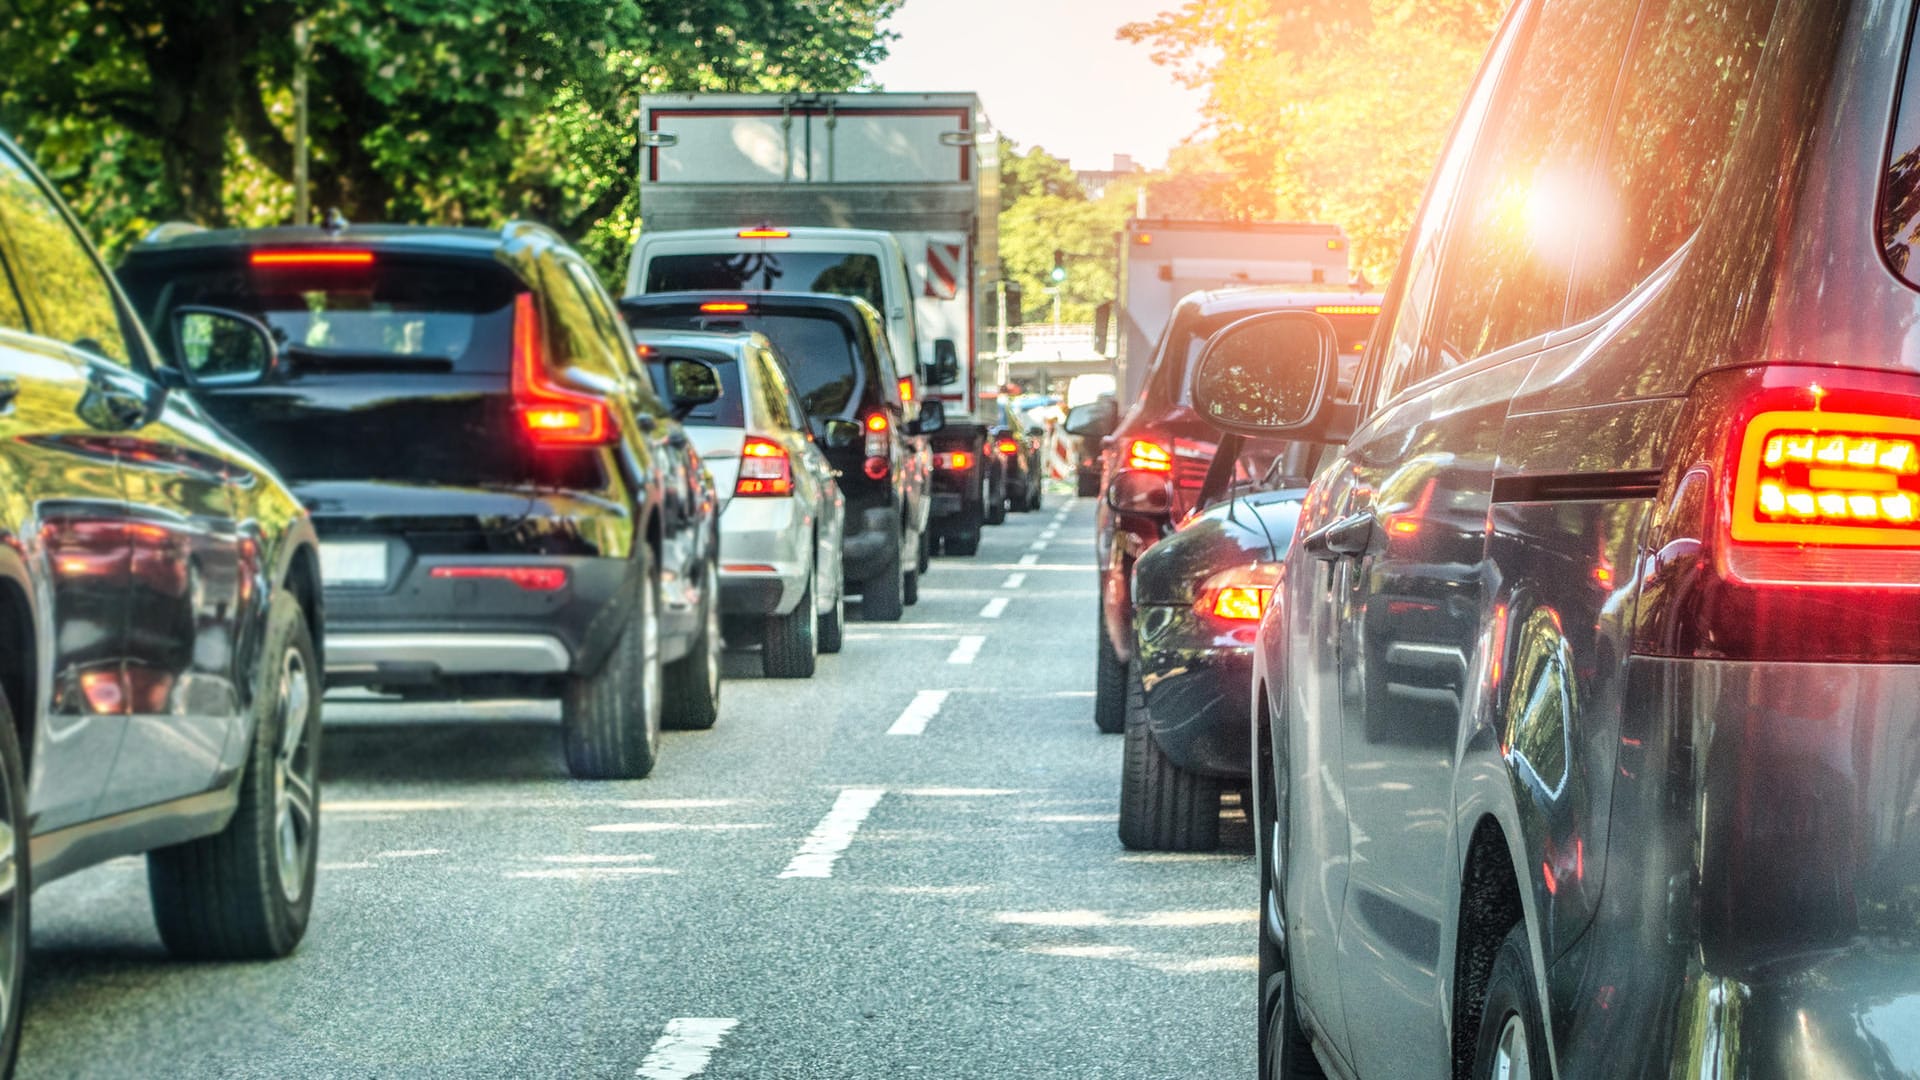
{"points": [[1096, 181]]}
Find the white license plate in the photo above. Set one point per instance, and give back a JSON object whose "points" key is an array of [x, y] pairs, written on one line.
{"points": [[362, 563]]}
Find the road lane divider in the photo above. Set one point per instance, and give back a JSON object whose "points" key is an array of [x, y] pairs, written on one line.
{"points": [[824, 845], [1014, 581], [1037, 545], [966, 649], [995, 608], [686, 1047], [924, 707], [1029, 560]]}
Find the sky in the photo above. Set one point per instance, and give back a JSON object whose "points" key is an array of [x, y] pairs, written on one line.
{"points": [[1050, 72]]}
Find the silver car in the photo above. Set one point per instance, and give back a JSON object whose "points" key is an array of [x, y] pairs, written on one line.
{"points": [[781, 511]]}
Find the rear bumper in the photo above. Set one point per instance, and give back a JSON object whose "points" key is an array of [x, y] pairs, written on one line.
{"points": [[765, 555], [1758, 909], [1198, 682], [440, 654]]}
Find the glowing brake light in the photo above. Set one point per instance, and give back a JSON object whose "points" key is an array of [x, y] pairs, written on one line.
{"points": [[906, 390], [530, 578], [1239, 594], [1346, 309], [724, 307], [552, 416], [877, 422], [956, 461], [1808, 477], [763, 234], [1007, 446], [765, 469], [311, 258], [1149, 457]]}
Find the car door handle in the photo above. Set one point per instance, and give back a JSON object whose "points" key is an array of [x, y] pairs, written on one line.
{"points": [[1348, 538]]}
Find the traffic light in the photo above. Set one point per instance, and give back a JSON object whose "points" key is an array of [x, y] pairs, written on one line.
{"points": [[1058, 275]]}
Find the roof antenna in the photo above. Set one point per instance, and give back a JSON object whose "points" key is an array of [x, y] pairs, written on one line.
{"points": [[335, 221]]}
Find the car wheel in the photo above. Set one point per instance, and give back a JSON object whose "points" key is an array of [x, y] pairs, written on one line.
{"points": [[1109, 683], [15, 889], [610, 720], [830, 632], [925, 548], [964, 540], [692, 683], [1162, 806], [1036, 495], [996, 504], [1511, 1032], [881, 598], [1286, 1053], [910, 588], [245, 892], [788, 645]]}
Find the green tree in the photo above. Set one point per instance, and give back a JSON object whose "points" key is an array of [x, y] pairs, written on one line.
{"points": [[1044, 209]]}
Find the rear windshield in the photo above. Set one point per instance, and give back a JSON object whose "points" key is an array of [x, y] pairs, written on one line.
{"points": [[724, 412], [409, 315], [832, 272], [822, 354]]}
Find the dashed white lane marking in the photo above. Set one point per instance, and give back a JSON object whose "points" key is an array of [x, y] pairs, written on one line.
{"points": [[913, 719], [416, 853], [967, 648], [675, 826], [596, 858], [686, 1047], [589, 873], [1029, 560], [995, 607], [1014, 581], [1037, 545], [823, 845]]}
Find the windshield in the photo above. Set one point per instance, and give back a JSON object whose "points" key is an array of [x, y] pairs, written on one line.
{"points": [[822, 354], [837, 273]]}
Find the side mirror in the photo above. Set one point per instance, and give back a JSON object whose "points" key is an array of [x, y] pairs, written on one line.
{"points": [[946, 364], [840, 434], [933, 417], [691, 384], [214, 347], [1136, 491], [1094, 420], [1269, 374]]}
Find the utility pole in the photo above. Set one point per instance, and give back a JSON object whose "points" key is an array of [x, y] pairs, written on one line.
{"points": [[302, 211], [1000, 329]]}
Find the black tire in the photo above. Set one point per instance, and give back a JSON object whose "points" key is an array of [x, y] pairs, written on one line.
{"points": [[964, 539], [610, 720], [1087, 484], [692, 683], [830, 634], [924, 558], [996, 508], [245, 892], [16, 890], [789, 643], [1511, 1023], [1286, 1053], [1109, 683], [1036, 494], [881, 596], [1162, 806], [910, 588]]}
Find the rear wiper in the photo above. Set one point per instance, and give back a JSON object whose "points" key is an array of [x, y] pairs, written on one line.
{"points": [[343, 360]]}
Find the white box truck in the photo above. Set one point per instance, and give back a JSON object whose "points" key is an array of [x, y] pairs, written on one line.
{"points": [[891, 197]]}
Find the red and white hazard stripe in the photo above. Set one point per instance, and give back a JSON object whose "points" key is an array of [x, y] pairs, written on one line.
{"points": [[943, 270]]}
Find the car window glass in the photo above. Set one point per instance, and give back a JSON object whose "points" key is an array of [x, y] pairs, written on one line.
{"points": [[73, 302], [12, 315], [788, 403], [1691, 67], [585, 343], [1511, 255]]}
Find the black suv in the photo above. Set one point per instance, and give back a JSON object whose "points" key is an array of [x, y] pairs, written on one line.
{"points": [[160, 615], [836, 350], [504, 504]]}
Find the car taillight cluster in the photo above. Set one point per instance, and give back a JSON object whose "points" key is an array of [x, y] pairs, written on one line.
{"points": [[1149, 456], [1238, 594], [954, 461], [552, 416], [1007, 446], [530, 578], [1803, 481], [765, 469], [877, 466]]}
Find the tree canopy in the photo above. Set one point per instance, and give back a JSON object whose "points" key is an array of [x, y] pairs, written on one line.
{"points": [[1044, 209], [421, 111]]}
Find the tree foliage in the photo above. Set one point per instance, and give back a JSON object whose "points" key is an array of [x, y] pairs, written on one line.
{"points": [[1044, 209], [421, 110], [1322, 110]]}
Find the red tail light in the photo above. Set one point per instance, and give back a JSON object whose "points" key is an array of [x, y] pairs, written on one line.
{"points": [[906, 390], [1790, 524], [530, 578], [724, 307], [763, 234], [877, 422], [310, 258], [1239, 594], [764, 469], [1007, 446], [1149, 456], [876, 468], [552, 415], [955, 461]]}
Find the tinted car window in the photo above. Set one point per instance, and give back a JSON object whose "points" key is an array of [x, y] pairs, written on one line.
{"points": [[74, 302], [424, 317], [821, 352], [1686, 91], [786, 271], [1512, 253], [1900, 195]]}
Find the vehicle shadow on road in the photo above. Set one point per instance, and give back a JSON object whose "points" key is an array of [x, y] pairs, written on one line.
{"points": [[438, 751]]}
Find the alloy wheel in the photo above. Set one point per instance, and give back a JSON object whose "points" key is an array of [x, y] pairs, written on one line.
{"points": [[294, 767], [1512, 1058]]}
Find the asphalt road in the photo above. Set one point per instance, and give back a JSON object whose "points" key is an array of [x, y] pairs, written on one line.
{"points": [[847, 877]]}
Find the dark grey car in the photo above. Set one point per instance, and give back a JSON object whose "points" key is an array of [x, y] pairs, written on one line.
{"points": [[1585, 715]]}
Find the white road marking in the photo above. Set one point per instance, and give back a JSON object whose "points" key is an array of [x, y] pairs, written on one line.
{"points": [[995, 608], [418, 853], [686, 1047], [596, 858], [1037, 545], [674, 804], [589, 873], [1014, 581], [330, 867], [1029, 560], [823, 845], [967, 649], [1049, 532], [913, 719], [671, 826]]}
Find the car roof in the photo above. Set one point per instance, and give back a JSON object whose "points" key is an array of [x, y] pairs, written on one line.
{"points": [[794, 232], [185, 239], [1253, 298]]}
